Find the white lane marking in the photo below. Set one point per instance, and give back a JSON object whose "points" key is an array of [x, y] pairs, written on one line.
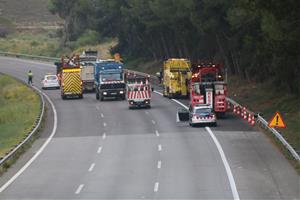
{"points": [[159, 164], [104, 124], [158, 93], [225, 162], [104, 136], [102, 115], [147, 113], [12, 179], [153, 122], [159, 147], [180, 103], [99, 150], [219, 147], [97, 107], [92, 167], [80, 187], [156, 186], [157, 133]]}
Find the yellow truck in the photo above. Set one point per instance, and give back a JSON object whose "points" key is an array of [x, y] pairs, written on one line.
{"points": [[176, 76], [71, 83]]}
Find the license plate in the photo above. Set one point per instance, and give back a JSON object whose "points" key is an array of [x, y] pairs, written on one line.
{"points": [[113, 93]]}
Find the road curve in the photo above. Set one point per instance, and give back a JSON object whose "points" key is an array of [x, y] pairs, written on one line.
{"points": [[103, 150]]}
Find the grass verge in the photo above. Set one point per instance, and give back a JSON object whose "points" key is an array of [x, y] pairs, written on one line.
{"points": [[19, 109]]}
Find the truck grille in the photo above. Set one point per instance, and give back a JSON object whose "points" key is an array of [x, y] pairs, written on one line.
{"points": [[113, 86]]}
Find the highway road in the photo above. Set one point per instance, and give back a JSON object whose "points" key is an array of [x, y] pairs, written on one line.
{"points": [[103, 150]]}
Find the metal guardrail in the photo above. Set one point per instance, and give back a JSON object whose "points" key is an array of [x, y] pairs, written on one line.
{"points": [[260, 119], [35, 128], [34, 57], [276, 133]]}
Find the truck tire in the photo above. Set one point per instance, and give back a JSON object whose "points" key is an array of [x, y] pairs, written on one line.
{"points": [[63, 96], [80, 96]]}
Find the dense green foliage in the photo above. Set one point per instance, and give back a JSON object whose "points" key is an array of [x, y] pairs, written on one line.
{"points": [[255, 39]]}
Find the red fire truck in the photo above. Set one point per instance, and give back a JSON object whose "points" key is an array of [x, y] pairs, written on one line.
{"points": [[207, 86], [138, 91]]}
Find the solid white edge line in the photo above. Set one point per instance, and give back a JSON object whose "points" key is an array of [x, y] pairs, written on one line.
{"points": [[12, 179], [158, 93], [156, 186], [226, 165], [92, 167], [80, 187]]}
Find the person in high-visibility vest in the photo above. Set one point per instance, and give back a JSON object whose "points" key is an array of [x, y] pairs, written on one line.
{"points": [[30, 76]]}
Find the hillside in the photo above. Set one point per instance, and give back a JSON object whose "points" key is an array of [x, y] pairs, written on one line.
{"points": [[28, 13]]}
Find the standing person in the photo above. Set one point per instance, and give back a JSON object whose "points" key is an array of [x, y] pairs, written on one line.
{"points": [[30, 76]]}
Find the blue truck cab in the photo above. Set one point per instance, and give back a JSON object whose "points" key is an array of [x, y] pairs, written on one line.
{"points": [[109, 80]]}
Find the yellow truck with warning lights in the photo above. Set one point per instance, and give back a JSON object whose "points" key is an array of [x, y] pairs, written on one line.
{"points": [[71, 83], [176, 76]]}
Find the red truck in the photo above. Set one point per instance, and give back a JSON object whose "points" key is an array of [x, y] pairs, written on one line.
{"points": [[207, 86]]}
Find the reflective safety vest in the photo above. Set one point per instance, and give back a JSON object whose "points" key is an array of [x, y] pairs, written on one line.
{"points": [[30, 74]]}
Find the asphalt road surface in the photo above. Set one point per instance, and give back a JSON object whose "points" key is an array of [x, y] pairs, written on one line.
{"points": [[103, 150]]}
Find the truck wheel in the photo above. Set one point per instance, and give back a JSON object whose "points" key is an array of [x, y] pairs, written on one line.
{"points": [[80, 96], [63, 97], [97, 95]]}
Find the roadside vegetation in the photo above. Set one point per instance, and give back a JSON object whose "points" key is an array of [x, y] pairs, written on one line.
{"points": [[267, 99], [18, 112], [41, 43]]}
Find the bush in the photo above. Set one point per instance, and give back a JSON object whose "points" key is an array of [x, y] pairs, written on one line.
{"points": [[6, 27]]}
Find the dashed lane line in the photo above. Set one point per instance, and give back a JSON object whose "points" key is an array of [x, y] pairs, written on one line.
{"points": [[104, 136], [159, 147], [99, 150], [159, 164], [80, 187], [92, 167], [157, 133], [156, 187]]}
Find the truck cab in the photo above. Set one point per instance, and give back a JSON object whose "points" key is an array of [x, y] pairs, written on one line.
{"points": [[207, 86], [176, 75], [109, 80]]}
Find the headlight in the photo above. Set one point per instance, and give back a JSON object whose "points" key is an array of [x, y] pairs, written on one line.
{"points": [[121, 92], [104, 93]]}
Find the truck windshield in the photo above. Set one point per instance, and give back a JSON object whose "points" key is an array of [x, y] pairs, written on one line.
{"points": [[111, 77]]}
